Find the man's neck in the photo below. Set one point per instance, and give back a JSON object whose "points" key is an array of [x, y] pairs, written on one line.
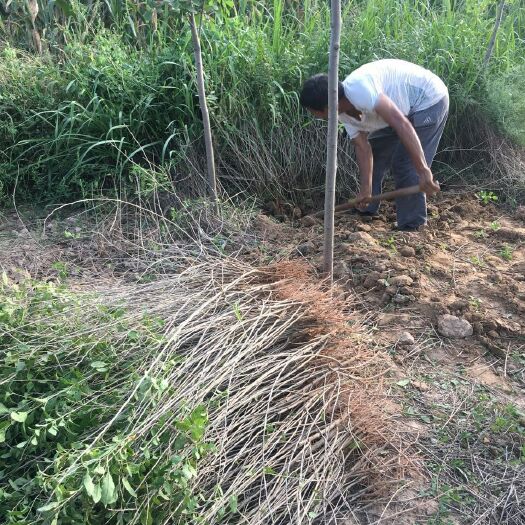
{"points": [[345, 106]]}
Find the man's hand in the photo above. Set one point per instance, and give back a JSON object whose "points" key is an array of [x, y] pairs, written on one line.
{"points": [[362, 199], [426, 182]]}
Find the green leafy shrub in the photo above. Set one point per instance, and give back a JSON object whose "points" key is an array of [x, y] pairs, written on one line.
{"points": [[117, 89], [84, 433]]}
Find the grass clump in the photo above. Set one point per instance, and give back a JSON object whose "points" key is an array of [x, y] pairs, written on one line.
{"points": [[75, 394], [484, 426], [507, 105]]}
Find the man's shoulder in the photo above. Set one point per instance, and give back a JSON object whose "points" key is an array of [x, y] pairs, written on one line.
{"points": [[378, 67]]}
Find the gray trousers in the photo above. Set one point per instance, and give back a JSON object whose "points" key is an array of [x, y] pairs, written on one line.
{"points": [[390, 154]]}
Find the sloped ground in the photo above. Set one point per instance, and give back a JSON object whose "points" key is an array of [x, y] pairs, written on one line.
{"points": [[459, 401]]}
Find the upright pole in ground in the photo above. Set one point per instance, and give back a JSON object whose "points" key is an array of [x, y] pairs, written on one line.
{"points": [[331, 143], [210, 161]]}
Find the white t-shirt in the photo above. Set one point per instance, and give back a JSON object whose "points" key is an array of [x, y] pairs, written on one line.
{"points": [[411, 87]]}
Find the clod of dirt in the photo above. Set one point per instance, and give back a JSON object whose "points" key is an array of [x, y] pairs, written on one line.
{"points": [[387, 319], [520, 213], [509, 326], [406, 338], [297, 213], [306, 248], [341, 270], [273, 208], [489, 324], [308, 221], [512, 234], [407, 251], [362, 238], [493, 334], [492, 260], [484, 375], [424, 388], [371, 279], [452, 326], [354, 259], [399, 267], [401, 280], [478, 327], [364, 227], [403, 299], [459, 304], [406, 290]]}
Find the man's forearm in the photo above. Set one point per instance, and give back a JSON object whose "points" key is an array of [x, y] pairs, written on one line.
{"points": [[392, 115], [365, 161], [408, 137]]}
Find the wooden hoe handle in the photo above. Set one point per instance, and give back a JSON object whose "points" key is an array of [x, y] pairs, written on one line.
{"points": [[387, 196]]}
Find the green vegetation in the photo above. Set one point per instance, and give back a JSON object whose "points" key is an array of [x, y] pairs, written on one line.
{"points": [[114, 88], [506, 252], [221, 404], [477, 260], [475, 302], [475, 434], [390, 243], [506, 101], [75, 399], [487, 197], [481, 234]]}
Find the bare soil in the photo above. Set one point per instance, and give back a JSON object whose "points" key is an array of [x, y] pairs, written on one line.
{"points": [[463, 399], [460, 401]]}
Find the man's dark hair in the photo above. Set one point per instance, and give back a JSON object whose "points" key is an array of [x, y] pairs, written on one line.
{"points": [[314, 94]]}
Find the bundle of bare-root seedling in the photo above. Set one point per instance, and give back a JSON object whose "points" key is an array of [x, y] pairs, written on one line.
{"points": [[225, 394]]}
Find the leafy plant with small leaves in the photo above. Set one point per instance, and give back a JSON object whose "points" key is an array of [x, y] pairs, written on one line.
{"points": [[477, 260], [506, 252], [83, 426], [486, 197]]}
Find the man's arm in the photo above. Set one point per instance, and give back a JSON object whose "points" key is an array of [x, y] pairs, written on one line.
{"points": [[365, 160], [391, 114]]}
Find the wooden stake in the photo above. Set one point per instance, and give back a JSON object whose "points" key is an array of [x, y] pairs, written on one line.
{"points": [[331, 144], [210, 161]]}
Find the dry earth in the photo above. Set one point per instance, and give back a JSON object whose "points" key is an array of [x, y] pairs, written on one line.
{"points": [[463, 397], [461, 400]]}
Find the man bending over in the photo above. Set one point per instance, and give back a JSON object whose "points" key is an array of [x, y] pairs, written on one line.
{"points": [[394, 112]]}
